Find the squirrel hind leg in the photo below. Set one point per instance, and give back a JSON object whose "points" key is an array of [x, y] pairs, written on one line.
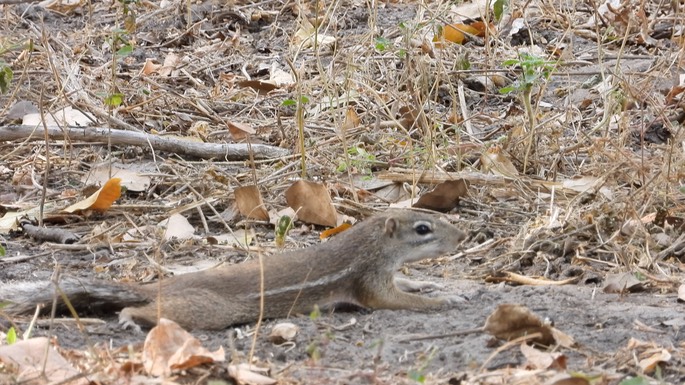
{"points": [[193, 309], [133, 317]]}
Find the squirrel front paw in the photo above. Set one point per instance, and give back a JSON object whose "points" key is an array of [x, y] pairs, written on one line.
{"points": [[416, 286], [453, 300], [126, 322]]}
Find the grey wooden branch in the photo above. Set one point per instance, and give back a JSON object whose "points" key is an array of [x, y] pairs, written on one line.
{"points": [[233, 151]]}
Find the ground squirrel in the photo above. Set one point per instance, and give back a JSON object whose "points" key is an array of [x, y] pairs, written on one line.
{"points": [[355, 267]]}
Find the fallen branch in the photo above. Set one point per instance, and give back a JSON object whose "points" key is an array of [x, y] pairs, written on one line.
{"points": [[233, 151]]}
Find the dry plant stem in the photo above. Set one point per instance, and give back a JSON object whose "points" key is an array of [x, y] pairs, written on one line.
{"points": [[46, 173], [233, 151], [409, 176], [447, 335], [508, 345], [299, 117], [261, 308]]}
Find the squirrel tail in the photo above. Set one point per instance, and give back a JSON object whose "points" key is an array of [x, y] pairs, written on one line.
{"points": [[83, 294]]}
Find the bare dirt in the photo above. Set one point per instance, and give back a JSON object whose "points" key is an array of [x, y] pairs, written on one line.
{"points": [[611, 113]]}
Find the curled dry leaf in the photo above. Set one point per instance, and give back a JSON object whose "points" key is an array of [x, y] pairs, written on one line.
{"points": [[132, 179], [444, 197], [250, 203], [247, 374], [621, 283], [681, 293], [101, 200], [169, 348], [68, 116], [177, 227], [283, 332], [543, 360], [335, 230], [240, 131], [150, 67], [511, 321], [496, 162], [33, 366], [312, 203], [655, 358]]}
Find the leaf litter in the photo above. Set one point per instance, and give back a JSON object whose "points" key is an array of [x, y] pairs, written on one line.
{"points": [[576, 173]]}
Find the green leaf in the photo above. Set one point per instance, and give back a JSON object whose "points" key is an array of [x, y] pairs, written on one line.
{"points": [[342, 167], [2, 251], [315, 314], [507, 89], [125, 50], [417, 376], [114, 100], [284, 224], [11, 336], [288, 103], [6, 76], [498, 8], [382, 44], [304, 99], [634, 381]]}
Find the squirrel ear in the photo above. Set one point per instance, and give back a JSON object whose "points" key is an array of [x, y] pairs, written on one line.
{"points": [[391, 226]]}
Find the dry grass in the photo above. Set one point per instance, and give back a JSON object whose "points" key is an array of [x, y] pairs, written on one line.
{"points": [[607, 112]]}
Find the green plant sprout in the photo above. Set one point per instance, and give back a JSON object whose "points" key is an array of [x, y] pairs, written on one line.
{"points": [[11, 336], [534, 72], [360, 159], [6, 73], [285, 223]]}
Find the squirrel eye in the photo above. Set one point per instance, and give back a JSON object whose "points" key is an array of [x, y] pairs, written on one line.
{"points": [[422, 229]]}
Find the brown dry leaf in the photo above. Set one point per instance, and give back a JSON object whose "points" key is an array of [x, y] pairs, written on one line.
{"points": [[511, 321], [444, 197], [283, 332], [456, 33], [496, 162], [28, 359], [335, 230], [101, 200], [171, 61], [177, 227], [131, 179], [621, 283], [351, 121], [242, 238], [543, 360], [247, 374], [408, 116], [280, 77], [589, 184], [150, 67], [250, 203], [312, 203], [307, 35], [571, 381], [67, 116], [169, 348], [240, 131], [262, 87], [64, 7], [655, 358]]}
